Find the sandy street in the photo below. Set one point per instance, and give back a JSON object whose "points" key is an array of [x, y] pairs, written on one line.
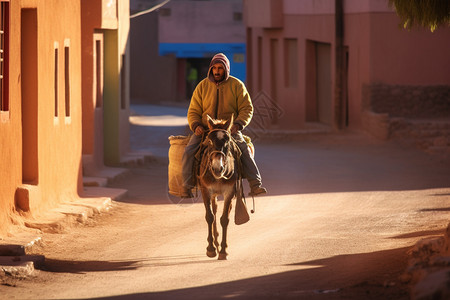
{"points": [[341, 213]]}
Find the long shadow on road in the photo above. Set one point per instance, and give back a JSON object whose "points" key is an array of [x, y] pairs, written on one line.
{"points": [[352, 277], [87, 266]]}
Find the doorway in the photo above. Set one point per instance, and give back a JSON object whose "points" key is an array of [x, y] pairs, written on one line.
{"points": [[345, 88], [196, 70], [319, 104], [274, 75], [98, 67], [323, 83]]}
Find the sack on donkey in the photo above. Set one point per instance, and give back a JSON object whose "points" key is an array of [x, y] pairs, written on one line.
{"points": [[176, 150]]}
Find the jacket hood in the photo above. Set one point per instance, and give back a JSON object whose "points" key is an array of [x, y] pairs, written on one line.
{"points": [[219, 58]]}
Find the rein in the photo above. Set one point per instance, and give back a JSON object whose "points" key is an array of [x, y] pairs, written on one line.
{"points": [[211, 153], [208, 166]]}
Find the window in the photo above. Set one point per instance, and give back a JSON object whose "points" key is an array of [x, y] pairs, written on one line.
{"points": [[123, 84], [56, 79], [98, 74], [260, 63], [67, 80], [4, 56]]}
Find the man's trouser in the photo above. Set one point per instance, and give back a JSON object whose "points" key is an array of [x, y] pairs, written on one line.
{"points": [[250, 169]]}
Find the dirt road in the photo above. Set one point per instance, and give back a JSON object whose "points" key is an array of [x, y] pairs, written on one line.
{"points": [[341, 212]]}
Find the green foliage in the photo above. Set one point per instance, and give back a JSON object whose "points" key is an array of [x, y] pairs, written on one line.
{"points": [[425, 13]]}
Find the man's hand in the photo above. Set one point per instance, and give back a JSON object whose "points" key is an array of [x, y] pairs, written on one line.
{"points": [[235, 128], [199, 130]]}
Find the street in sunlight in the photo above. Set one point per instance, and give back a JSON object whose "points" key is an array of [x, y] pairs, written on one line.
{"points": [[341, 213]]}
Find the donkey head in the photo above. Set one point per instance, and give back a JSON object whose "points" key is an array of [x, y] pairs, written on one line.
{"points": [[219, 138]]}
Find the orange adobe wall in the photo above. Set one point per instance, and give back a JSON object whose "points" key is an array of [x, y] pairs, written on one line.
{"points": [[40, 131]]}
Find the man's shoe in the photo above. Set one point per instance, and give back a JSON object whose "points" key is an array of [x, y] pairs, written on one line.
{"points": [[187, 194], [257, 190]]}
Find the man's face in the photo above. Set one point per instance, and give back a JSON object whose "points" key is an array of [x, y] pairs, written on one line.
{"points": [[218, 71]]}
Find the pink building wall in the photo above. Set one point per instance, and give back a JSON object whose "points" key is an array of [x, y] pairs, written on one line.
{"points": [[181, 25], [417, 57], [208, 22], [378, 52]]}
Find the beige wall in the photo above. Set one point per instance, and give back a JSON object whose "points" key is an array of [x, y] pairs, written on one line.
{"points": [[116, 88], [105, 83]]}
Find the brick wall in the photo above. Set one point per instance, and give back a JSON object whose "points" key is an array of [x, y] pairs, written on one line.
{"points": [[419, 114], [407, 101]]}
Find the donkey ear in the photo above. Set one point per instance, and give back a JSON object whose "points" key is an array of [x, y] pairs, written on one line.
{"points": [[210, 122], [229, 123]]}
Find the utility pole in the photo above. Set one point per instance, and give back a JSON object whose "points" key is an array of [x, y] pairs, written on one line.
{"points": [[339, 109]]}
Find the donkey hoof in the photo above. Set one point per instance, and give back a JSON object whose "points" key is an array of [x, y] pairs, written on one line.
{"points": [[211, 253], [223, 256]]}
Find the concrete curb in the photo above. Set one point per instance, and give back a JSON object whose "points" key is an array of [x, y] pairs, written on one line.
{"points": [[99, 198], [19, 246], [94, 200], [94, 181], [14, 268], [104, 176]]}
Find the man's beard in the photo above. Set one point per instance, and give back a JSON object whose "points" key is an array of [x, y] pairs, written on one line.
{"points": [[218, 78]]}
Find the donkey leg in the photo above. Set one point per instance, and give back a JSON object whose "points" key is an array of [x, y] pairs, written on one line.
{"points": [[210, 219], [224, 221], [215, 232]]}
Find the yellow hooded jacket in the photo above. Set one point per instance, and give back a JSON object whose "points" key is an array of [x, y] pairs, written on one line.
{"points": [[220, 100]]}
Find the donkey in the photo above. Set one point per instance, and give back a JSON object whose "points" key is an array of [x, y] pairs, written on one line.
{"points": [[218, 175]]}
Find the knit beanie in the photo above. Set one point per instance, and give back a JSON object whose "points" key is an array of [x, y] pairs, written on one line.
{"points": [[219, 58]]}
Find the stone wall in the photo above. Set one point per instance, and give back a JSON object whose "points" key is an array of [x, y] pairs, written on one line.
{"points": [[376, 124], [407, 101], [419, 113], [428, 270]]}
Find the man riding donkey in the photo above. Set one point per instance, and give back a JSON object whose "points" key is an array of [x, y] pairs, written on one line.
{"points": [[220, 96]]}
